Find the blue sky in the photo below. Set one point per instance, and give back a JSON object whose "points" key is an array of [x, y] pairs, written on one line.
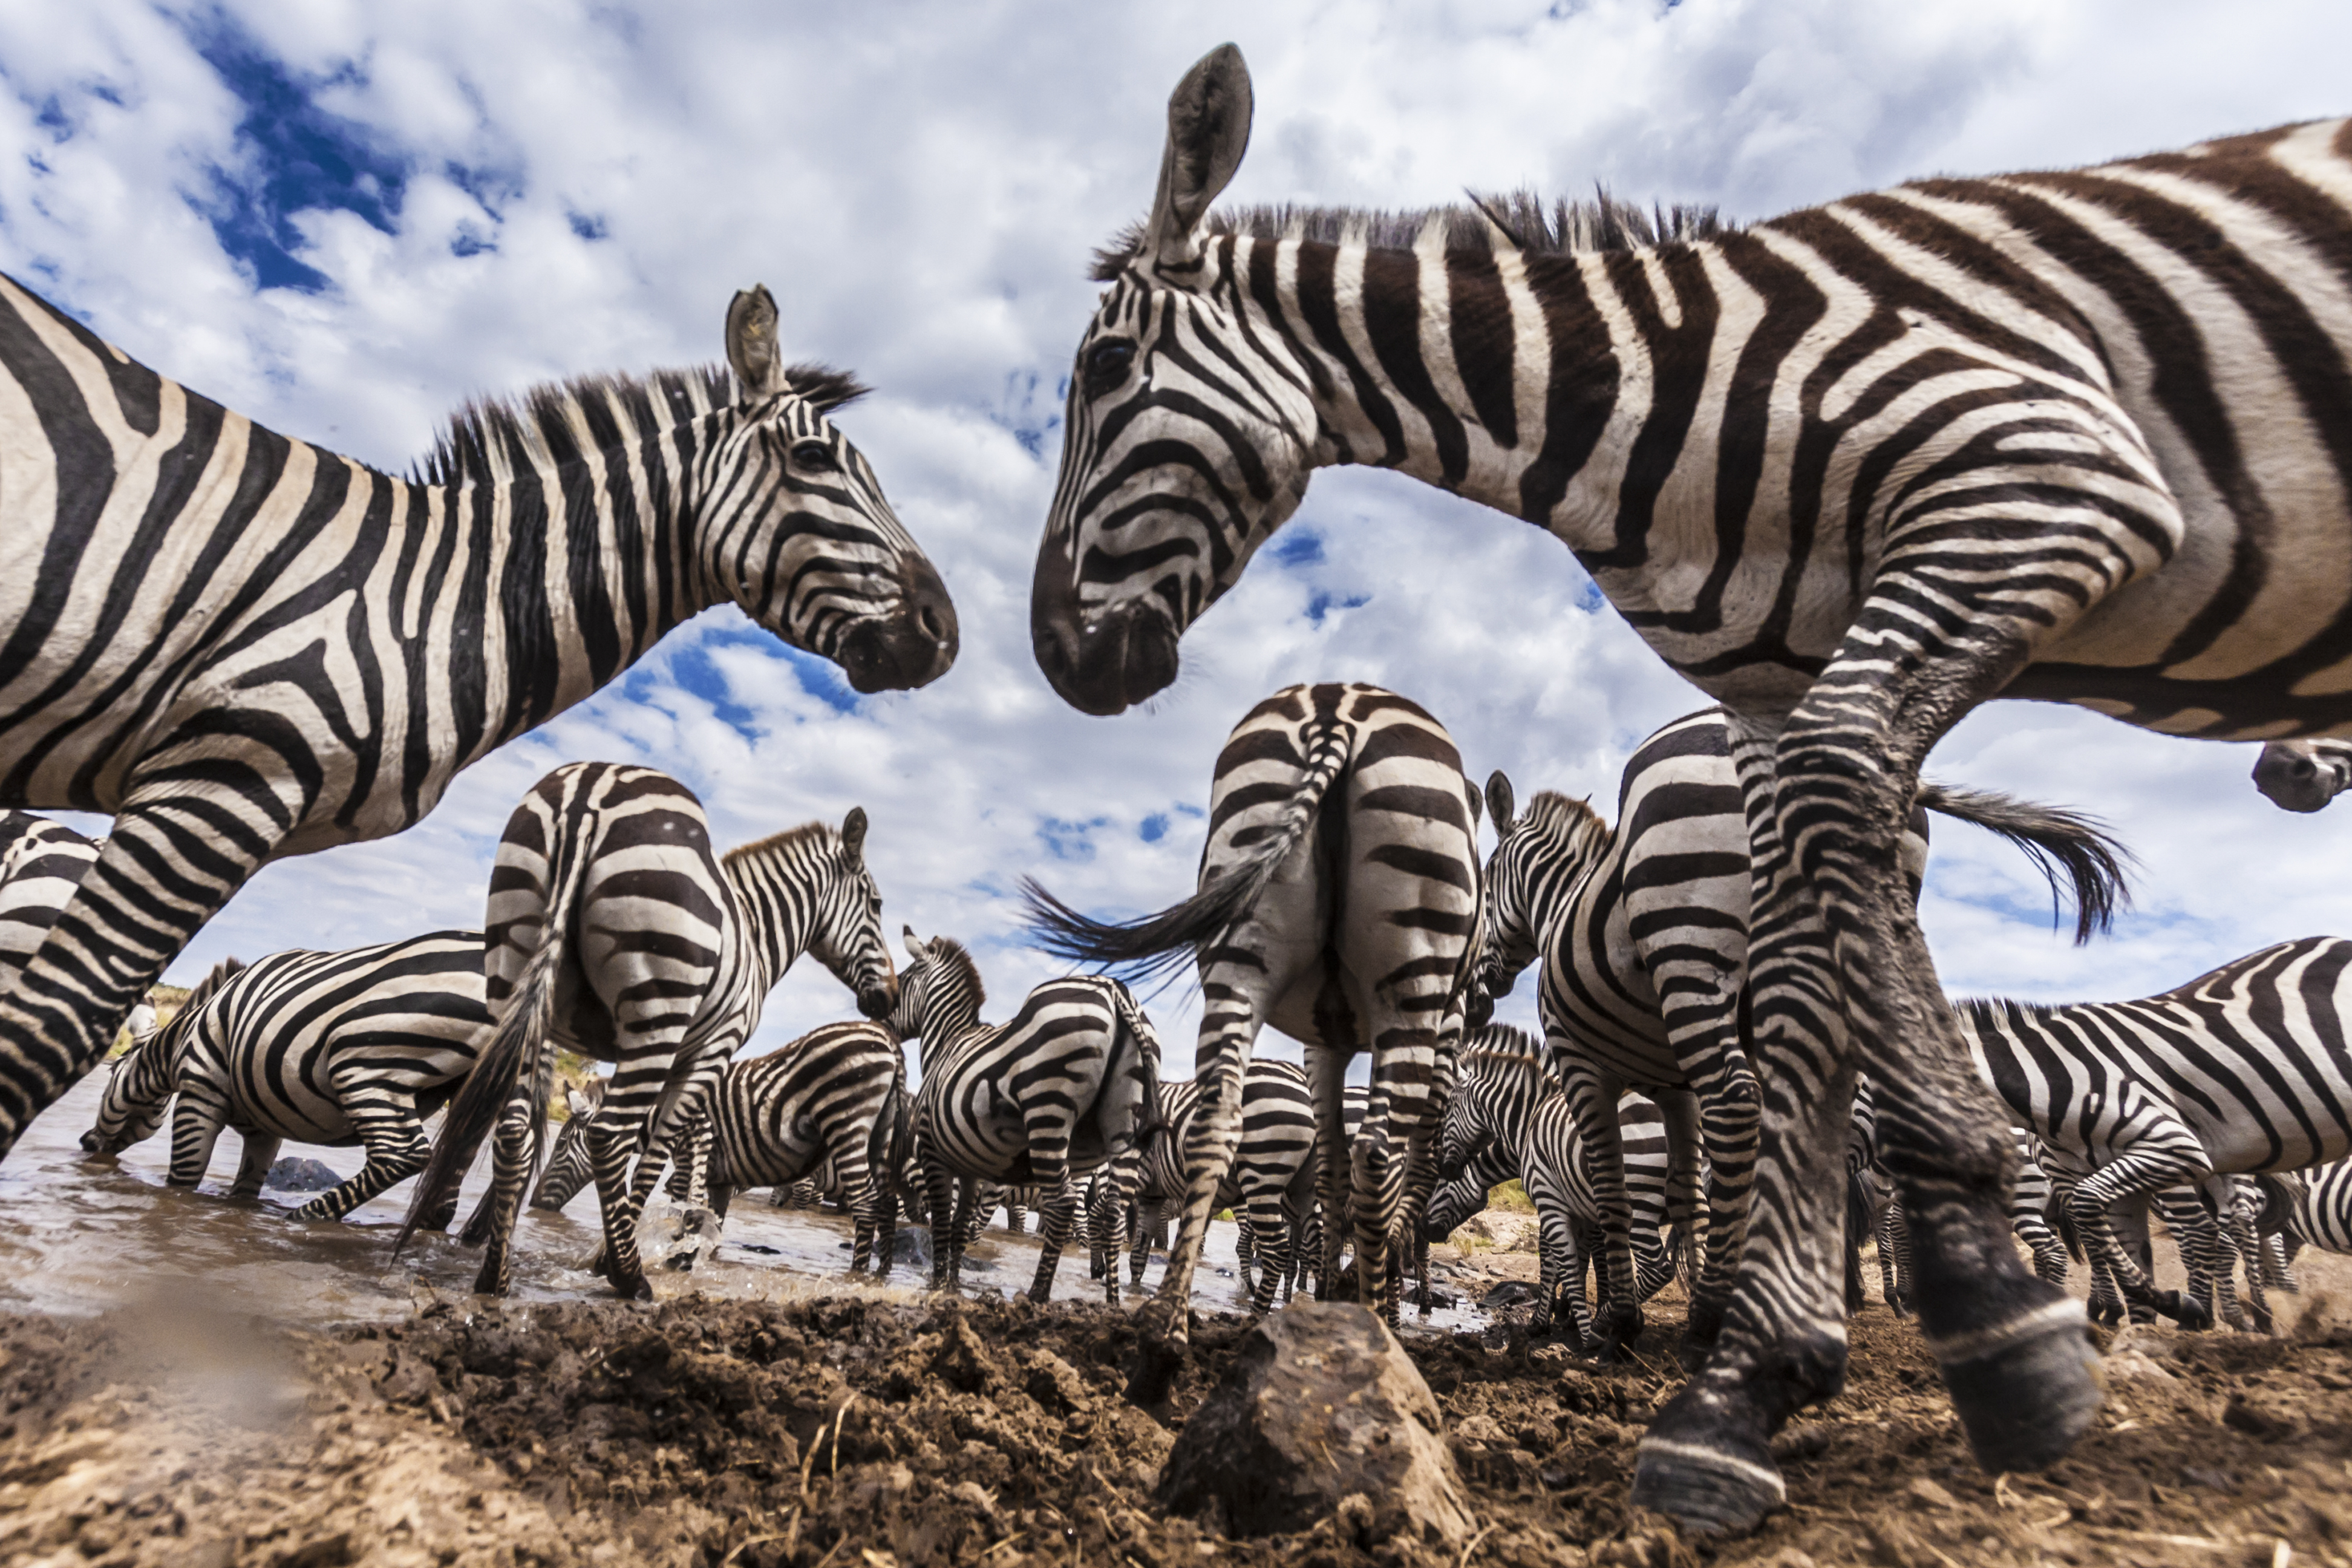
{"points": [[344, 220]]}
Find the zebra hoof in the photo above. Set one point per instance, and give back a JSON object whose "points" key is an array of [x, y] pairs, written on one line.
{"points": [[1706, 1490], [2191, 1315], [2026, 1398]]}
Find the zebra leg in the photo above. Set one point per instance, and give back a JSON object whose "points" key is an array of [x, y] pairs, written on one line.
{"points": [[198, 1115], [1228, 1032], [947, 1223], [2205, 1256], [254, 1160], [1592, 1103], [1264, 1221], [2155, 1151], [511, 1161], [397, 1150], [1326, 1080], [178, 850], [1147, 1231]]}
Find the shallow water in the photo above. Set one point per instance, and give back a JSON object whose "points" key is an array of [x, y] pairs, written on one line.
{"points": [[79, 1235]]}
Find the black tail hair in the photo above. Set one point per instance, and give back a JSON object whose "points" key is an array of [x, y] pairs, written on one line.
{"points": [[524, 1039], [1161, 942], [2092, 859]]}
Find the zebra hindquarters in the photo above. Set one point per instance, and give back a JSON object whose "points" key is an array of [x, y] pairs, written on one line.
{"points": [[386, 1119]]}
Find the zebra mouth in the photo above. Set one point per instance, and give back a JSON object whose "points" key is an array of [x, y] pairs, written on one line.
{"points": [[2292, 783], [876, 1001], [1105, 664], [912, 643]]}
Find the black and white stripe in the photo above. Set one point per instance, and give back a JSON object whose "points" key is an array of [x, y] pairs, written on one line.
{"points": [[1068, 1083], [246, 648], [615, 931], [1643, 933], [2320, 1215], [332, 1048], [1339, 903], [1508, 1121], [42, 864], [2245, 1070], [2069, 436]]}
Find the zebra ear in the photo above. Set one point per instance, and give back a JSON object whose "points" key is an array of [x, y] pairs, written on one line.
{"points": [[914, 949], [1208, 131], [1499, 804], [751, 348], [852, 834], [576, 1103]]}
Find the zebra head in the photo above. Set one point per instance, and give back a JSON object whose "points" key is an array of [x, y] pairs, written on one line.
{"points": [[848, 936], [940, 993], [2303, 775], [1190, 434], [792, 524], [139, 1088], [1538, 862]]}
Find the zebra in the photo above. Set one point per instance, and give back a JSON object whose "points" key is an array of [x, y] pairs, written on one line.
{"points": [[2069, 436], [246, 648], [2303, 775], [613, 931], [2243, 1070], [1339, 901], [1268, 1186], [1643, 935], [1874, 1210], [2319, 1208], [1068, 1083], [1507, 1120], [41, 864], [332, 1048]]}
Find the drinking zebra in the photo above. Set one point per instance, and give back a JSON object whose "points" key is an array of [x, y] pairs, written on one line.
{"points": [[1068, 1083], [1339, 902], [2065, 437], [1268, 1186], [1507, 1120], [1643, 936], [246, 648], [615, 931], [2245, 1070], [2303, 775], [333, 1048]]}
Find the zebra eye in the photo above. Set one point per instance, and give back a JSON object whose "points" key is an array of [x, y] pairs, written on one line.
{"points": [[815, 456], [1106, 365]]}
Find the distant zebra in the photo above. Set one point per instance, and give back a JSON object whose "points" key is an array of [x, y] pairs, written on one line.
{"points": [[42, 863], [615, 931], [1338, 900], [1641, 933], [2303, 775], [246, 648], [2071, 436], [333, 1048], [1507, 1120], [1070, 1082], [2246, 1068], [1268, 1186]]}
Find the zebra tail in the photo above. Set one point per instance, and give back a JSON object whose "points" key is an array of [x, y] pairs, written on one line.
{"points": [[2094, 862], [1161, 942], [2062, 1220], [524, 1039]]}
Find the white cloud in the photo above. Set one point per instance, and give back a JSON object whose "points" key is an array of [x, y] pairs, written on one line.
{"points": [[582, 188]]}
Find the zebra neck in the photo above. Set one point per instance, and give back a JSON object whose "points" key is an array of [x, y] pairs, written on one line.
{"points": [[1491, 375], [777, 904], [578, 563]]}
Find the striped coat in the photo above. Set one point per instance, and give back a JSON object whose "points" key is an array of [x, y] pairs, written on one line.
{"points": [[246, 648], [2070, 437], [332, 1048]]}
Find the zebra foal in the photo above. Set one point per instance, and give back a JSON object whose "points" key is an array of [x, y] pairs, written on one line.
{"points": [[332, 1048], [1852, 471], [1070, 1082], [246, 648], [614, 930], [1339, 902]]}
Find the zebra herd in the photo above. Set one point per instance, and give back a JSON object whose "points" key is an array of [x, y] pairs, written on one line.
{"points": [[2074, 436]]}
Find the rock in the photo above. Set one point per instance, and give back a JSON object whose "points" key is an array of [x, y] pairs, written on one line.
{"points": [[1319, 1404], [1929, 1492], [294, 1175], [1510, 1293]]}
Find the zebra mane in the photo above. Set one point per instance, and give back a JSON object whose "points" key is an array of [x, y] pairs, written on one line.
{"points": [[780, 843], [1555, 813], [226, 970], [1504, 1059], [952, 955], [480, 441], [1521, 220]]}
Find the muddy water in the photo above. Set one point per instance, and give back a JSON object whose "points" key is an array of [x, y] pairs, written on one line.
{"points": [[79, 1235]]}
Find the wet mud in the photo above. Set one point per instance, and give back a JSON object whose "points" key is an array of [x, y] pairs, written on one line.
{"points": [[879, 1431]]}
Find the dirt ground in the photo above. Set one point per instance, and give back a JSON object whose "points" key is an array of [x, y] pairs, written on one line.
{"points": [[876, 1429]]}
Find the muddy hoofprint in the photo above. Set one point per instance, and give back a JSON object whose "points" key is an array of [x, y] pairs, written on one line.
{"points": [[346, 1048], [2246, 1069], [246, 648], [1339, 902], [1508, 1120], [1068, 1084], [614, 930], [1853, 471]]}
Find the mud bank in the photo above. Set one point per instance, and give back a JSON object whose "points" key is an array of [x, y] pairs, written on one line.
{"points": [[870, 1432]]}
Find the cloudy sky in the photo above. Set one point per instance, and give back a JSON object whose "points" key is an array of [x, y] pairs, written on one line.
{"points": [[343, 220]]}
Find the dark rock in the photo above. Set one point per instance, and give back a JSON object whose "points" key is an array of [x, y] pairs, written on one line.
{"points": [[1510, 1293], [294, 1175], [1319, 1407]]}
